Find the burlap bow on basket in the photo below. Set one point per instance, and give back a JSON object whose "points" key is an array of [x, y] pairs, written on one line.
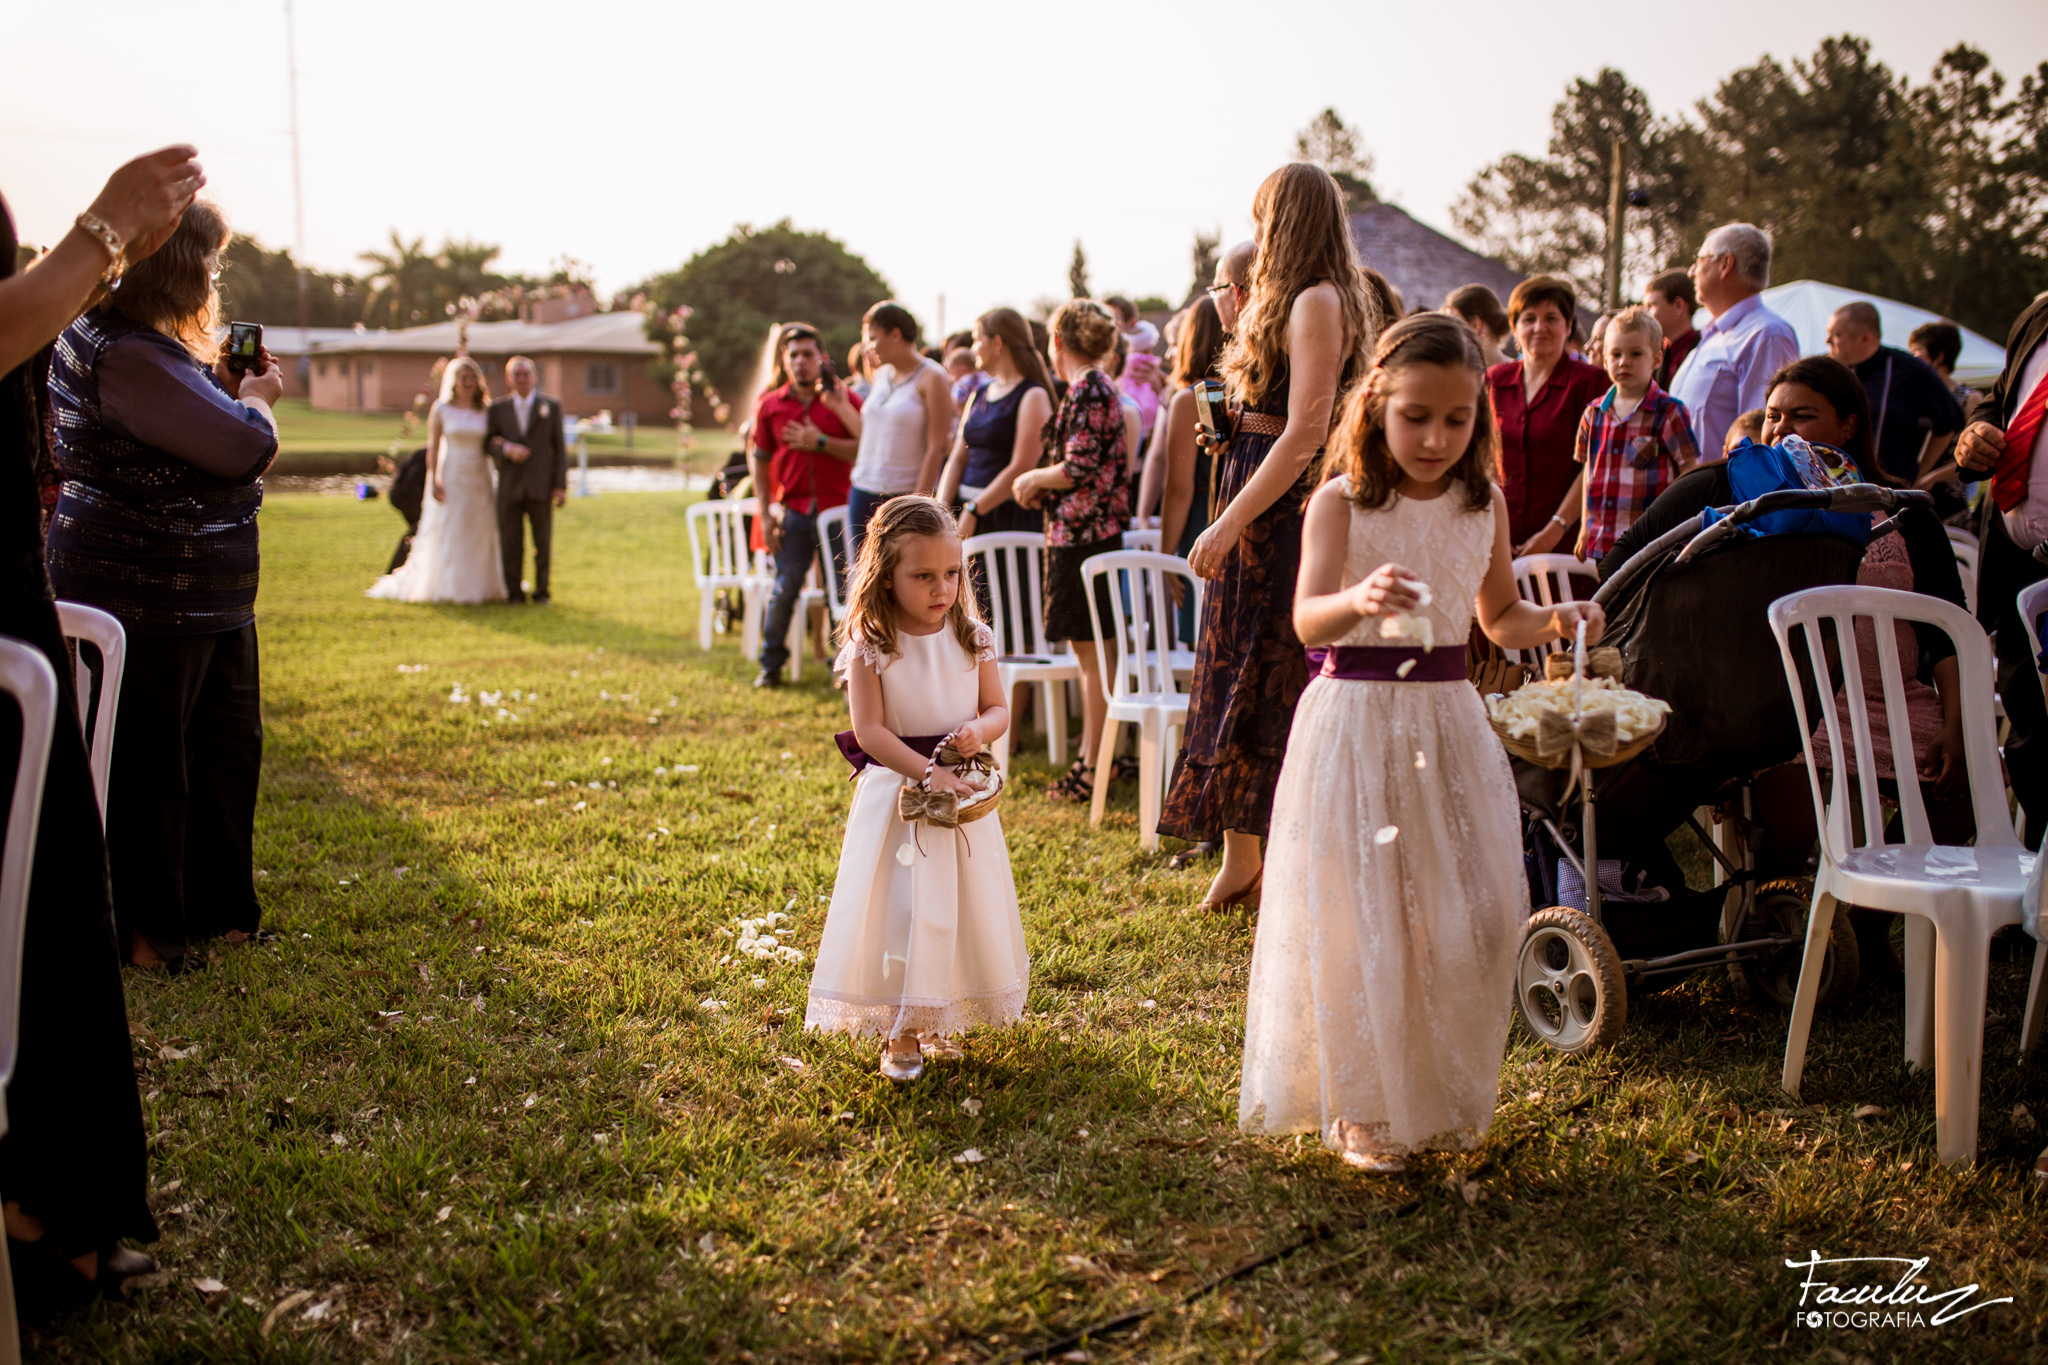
{"points": [[917, 803]]}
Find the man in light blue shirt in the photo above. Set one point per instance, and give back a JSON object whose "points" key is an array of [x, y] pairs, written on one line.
{"points": [[1729, 372]]}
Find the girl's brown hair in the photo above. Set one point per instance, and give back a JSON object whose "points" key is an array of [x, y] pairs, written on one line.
{"points": [[1358, 449], [172, 289], [1200, 343], [1007, 325], [1304, 239], [870, 611], [1086, 328]]}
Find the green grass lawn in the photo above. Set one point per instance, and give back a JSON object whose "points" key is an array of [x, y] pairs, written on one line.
{"points": [[471, 1105], [350, 442]]}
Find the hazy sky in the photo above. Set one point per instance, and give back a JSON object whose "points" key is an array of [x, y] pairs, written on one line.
{"points": [[960, 148]]}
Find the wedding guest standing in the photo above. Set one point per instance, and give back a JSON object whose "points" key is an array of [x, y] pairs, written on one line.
{"points": [[162, 450], [1481, 310], [74, 1164], [1537, 402], [1087, 502], [1672, 302], [1304, 336], [1730, 371], [1002, 429], [905, 422]]}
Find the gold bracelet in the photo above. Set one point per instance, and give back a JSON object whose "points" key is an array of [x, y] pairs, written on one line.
{"points": [[101, 231]]}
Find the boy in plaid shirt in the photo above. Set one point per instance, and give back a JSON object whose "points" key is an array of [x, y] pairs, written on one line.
{"points": [[1635, 441]]}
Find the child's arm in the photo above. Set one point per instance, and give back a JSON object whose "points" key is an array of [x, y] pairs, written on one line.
{"points": [[1324, 609], [994, 718], [864, 697], [1513, 623]]}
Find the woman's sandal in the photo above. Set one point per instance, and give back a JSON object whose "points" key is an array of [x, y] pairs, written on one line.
{"points": [[1077, 785], [1246, 895]]}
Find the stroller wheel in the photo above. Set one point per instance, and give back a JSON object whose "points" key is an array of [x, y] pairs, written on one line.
{"points": [[1569, 987], [1781, 908]]}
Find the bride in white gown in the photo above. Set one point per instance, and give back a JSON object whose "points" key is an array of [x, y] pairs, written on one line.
{"points": [[455, 554]]}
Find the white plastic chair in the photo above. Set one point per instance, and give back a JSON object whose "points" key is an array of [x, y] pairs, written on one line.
{"points": [[1137, 659], [90, 626], [835, 528], [720, 555], [1955, 898], [1142, 538], [1546, 580], [1017, 616], [26, 676]]}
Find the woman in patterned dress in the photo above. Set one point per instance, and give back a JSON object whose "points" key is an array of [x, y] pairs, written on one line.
{"points": [[1306, 333], [1087, 501]]}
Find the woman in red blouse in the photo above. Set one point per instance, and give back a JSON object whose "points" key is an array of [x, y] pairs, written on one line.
{"points": [[1087, 502], [1537, 402]]}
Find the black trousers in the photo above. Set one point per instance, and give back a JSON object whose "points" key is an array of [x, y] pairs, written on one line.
{"points": [[74, 1154], [181, 795], [513, 510], [2003, 569]]}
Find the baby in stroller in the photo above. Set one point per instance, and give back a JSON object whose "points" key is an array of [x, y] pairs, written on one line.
{"points": [[1691, 623]]}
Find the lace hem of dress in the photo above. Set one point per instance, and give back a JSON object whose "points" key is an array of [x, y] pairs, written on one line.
{"points": [[831, 1013], [1374, 1136]]}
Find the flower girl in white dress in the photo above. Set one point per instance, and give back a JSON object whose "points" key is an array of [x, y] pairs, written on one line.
{"points": [[1395, 897], [923, 937]]}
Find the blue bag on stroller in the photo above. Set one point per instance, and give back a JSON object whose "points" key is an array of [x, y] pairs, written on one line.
{"points": [[1755, 469]]}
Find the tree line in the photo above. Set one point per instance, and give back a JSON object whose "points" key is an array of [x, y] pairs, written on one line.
{"points": [[404, 285], [1933, 193]]}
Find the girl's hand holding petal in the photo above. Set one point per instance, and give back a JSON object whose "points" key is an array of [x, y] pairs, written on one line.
{"points": [[1569, 614], [1389, 588], [943, 782]]}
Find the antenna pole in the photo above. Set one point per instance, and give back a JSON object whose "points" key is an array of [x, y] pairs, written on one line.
{"points": [[291, 46]]}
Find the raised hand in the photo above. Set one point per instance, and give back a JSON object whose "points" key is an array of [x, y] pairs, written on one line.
{"points": [[144, 199]]}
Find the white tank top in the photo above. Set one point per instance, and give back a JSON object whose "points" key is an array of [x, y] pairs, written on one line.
{"points": [[892, 436]]}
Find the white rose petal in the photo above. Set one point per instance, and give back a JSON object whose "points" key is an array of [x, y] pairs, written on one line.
{"points": [[1387, 835], [971, 1157], [971, 1105]]}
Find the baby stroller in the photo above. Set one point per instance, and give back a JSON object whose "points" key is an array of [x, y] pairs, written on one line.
{"points": [[1688, 614]]}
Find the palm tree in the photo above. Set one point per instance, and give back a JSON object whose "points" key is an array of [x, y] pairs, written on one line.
{"points": [[402, 284]]}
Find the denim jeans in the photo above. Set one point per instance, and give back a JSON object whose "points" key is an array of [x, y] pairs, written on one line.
{"points": [[860, 510], [792, 566]]}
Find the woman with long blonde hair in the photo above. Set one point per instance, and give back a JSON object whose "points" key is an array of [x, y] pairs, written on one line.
{"points": [[455, 556], [1305, 335]]}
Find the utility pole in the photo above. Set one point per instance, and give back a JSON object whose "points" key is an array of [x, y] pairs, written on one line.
{"points": [[1617, 206], [291, 45]]}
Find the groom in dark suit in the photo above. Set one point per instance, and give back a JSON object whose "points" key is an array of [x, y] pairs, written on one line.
{"points": [[523, 435]]}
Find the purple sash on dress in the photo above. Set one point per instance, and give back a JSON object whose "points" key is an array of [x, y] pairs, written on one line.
{"points": [[1382, 663], [850, 748]]}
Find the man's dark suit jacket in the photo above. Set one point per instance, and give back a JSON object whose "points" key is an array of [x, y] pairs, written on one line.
{"points": [[547, 469]]}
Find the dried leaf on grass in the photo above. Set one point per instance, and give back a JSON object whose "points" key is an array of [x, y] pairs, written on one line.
{"points": [[278, 1310]]}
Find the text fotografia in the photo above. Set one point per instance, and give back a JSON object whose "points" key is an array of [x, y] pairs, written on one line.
{"points": [[1833, 1294]]}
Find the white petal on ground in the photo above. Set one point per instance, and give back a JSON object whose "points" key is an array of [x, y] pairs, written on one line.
{"points": [[971, 1105], [441, 1214], [971, 1157]]}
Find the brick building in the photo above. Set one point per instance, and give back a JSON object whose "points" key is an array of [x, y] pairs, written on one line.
{"points": [[591, 361]]}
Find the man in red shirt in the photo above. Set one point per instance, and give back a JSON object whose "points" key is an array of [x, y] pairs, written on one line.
{"points": [[806, 434]]}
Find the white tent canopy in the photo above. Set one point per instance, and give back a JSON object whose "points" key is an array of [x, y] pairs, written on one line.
{"points": [[1808, 304]]}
